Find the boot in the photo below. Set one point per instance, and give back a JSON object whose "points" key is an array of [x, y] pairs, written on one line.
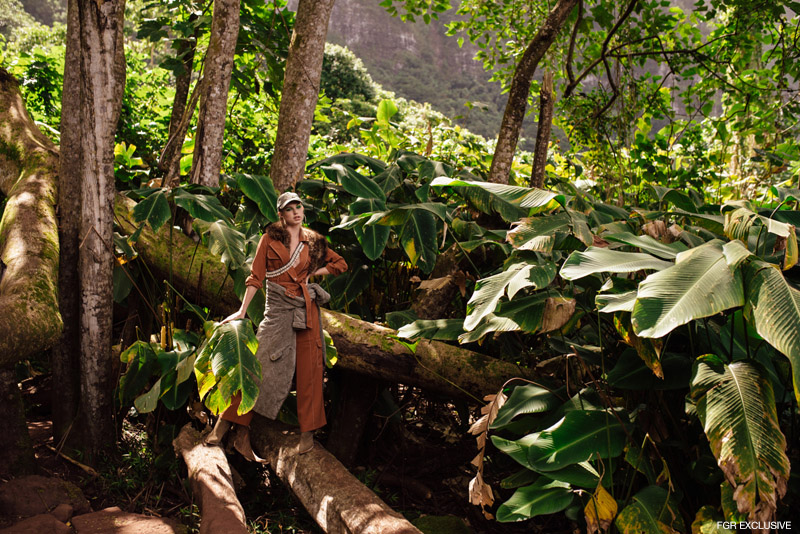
{"points": [[214, 438], [306, 442]]}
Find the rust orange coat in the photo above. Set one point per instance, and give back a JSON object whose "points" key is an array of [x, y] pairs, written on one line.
{"points": [[272, 254]]}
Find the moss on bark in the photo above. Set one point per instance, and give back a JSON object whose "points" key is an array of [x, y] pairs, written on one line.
{"points": [[30, 321]]}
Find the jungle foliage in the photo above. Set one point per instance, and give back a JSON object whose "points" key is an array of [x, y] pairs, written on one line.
{"points": [[654, 282]]}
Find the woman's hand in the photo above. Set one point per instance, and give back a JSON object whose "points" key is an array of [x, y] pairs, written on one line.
{"points": [[238, 315]]}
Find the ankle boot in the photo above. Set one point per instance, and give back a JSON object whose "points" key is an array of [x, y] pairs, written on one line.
{"points": [[214, 438], [306, 442]]}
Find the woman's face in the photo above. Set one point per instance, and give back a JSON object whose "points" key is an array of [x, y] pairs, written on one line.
{"points": [[292, 214]]}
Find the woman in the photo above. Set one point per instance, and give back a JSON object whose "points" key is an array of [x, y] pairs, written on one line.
{"points": [[290, 336]]}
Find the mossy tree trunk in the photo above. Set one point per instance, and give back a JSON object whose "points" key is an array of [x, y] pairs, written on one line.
{"points": [[217, 69], [364, 348], [102, 84], [521, 87], [29, 317], [300, 92]]}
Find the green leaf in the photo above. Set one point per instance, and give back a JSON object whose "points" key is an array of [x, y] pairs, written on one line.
{"points": [[346, 287], [418, 239], [154, 209], [736, 405], [773, 306], [579, 436], [142, 364], [536, 200], [225, 241], [441, 329], [613, 302], [603, 260], [203, 207], [540, 498], [651, 510], [538, 233], [647, 244], [122, 284], [354, 183], [525, 399], [373, 238], [177, 372], [229, 356], [260, 190], [489, 291], [386, 110], [700, 284]]}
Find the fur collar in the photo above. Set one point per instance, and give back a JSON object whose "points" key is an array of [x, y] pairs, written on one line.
{"points": [[317, 244]]}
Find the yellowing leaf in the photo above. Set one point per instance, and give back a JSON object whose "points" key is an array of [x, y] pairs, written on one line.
{"points": [[600, 511]]}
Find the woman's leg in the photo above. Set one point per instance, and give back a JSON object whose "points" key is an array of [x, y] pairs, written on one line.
{"points": [[310, 404]]}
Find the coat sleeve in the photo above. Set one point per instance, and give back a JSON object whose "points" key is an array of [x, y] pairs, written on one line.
{"points": [[334, 263], [259, 268]]}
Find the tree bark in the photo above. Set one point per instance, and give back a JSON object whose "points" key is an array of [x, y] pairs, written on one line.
{"points": [[29, 320], [363, 347], [520, 88], [546, 102], [217, 69], [337, 501], [300, 92], [168, 163], [65, 356], [212, 484], [102, 84]]}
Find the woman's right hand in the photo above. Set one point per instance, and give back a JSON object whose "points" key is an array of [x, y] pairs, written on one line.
{"points": [[233, 317]]}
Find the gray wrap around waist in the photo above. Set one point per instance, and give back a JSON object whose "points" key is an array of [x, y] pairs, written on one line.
{"points": [[277, 347]]}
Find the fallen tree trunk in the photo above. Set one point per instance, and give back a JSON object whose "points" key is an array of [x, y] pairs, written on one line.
{"points": [[212, 484], [30, 321], [336, 500], [363, 347]]}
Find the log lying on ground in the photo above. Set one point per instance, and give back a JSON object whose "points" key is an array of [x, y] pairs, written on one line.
{"points": [[363, 347], [212, 484], [336, 500], [30, 321]]}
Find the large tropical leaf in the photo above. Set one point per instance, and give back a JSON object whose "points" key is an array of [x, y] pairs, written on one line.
{"points": [[205, 207], [739, 222], [346, 287], [648, 244], [223, 240], [579, 436], [174, 376], [543, 497], [652, 510], [774, 308], [736, 405], [538, 233], [227, 364], [142, 363], [372, 238], [700, 284], [260, 190], [535, 200], [418, 238], [603, 260], [354, 183], [441, 329], [154, 209], [490, 290], [525, 399]]}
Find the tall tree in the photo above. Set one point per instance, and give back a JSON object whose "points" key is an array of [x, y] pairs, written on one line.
{"points": [[207, 160], [520, 89], [546, 101], [65, 354], [102, 83], [300, 92]]}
